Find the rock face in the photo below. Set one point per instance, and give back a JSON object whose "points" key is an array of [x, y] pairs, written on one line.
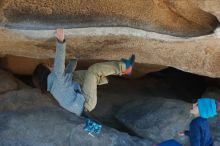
{"points": [[21, 65], [25, 66], [53, 126], [169, 83], [159, 119], [111, 29], [212, 92], [24, 99], [195, 55], [209, 6], [214, 122], [179, 18], [7, 82], [30, 118]]}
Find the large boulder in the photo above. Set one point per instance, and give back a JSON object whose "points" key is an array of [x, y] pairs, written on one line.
{"points": [[156, 118], [28, 117], [196, 55], [25, 99], [21, 65], [109, 26], [179, 18], [212, 92], [7, 82], [25, 66], [160, 119], [215, 129], [211, 6], [169, 83], [56, 127]]}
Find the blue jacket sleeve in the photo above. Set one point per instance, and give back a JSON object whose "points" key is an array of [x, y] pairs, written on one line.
{"points": [[59, 63], [187, 133], [71, 66], [195, 134]]}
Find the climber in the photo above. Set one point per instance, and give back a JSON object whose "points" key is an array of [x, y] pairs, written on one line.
{"points": [[76, 91], [199, 132]]}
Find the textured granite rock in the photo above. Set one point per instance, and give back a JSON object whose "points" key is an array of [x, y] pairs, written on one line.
{"points": [[214, 125], [7, 82], [25, 99], [211, 6], [97, 30], [25, 66], [195, 55], [29, 118], [156, 118], [160, 119], [178, 18], [54, 127]]}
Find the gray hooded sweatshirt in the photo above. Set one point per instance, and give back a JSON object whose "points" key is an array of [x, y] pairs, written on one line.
{"points": [[60, 84]]}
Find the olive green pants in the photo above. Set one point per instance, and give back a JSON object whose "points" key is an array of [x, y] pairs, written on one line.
{"points": [[96, 75]]}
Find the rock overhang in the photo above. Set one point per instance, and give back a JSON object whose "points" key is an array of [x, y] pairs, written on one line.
{"points": [[179, 18], [163, 37]]}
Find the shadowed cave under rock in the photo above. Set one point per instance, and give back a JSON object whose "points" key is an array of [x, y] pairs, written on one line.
{"points": [[169, 83], [163, 97]]}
